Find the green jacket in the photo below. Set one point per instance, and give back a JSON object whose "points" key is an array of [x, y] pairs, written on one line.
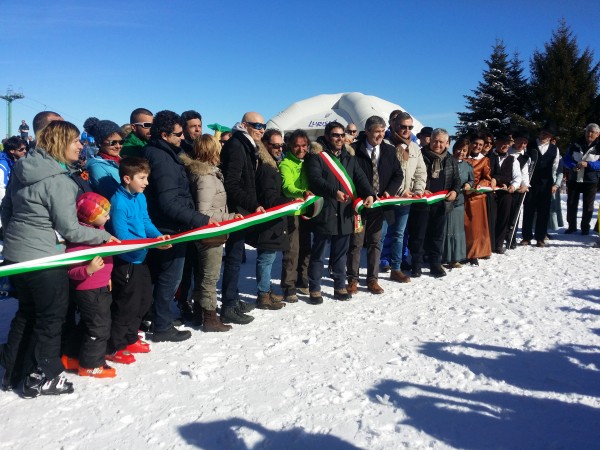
{"points": [[295, 180], [132, 146]]}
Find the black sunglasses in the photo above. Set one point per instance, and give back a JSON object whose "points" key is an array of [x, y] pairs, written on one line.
{"points": [[406, 127], [178, 134], [115, 142], [143, 124], [337, 135], [257, 125], [277, 146], [351, 131]]}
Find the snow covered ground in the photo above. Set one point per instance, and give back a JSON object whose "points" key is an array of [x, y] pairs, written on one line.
{"points": [[504, 355]]}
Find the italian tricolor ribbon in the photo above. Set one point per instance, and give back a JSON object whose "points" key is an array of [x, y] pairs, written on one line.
{"points": [[295, 207], [402, 201]]}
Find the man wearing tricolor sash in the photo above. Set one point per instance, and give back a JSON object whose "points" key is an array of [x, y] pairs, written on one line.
{"points": [[334, 174]]}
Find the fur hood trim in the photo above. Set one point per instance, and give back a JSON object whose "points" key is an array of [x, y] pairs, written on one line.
{"points": [[264, 156], [197, 167]]}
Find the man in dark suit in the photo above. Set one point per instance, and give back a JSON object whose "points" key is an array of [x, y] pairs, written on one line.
{"points": [[378, 161]]}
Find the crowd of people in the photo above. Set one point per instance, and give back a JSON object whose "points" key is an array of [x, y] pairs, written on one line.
{"points": [[160, 176]]}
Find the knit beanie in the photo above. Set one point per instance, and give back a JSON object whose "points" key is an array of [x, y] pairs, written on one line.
{"points": [[90, 206], [101, 129]]}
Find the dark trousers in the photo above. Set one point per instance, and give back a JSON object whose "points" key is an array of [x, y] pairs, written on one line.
{"points": [[574, 190], [427, 229], [166, 267], [93, 329], [537, 201], [337, 260], [132, 297], [190, 267], [294, 263], [370, 238], [34, 338], [234, 252], [503, 201]]}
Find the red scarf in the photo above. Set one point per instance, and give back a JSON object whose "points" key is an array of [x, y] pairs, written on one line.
{"points": [[116, 159]]}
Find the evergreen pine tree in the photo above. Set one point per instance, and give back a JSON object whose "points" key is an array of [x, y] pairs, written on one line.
{"points": [[564, 85], [519, 92], [489, 108]]}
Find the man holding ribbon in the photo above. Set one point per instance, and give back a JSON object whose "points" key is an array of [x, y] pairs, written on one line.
{"points": [[378, 161], [334, 174]]}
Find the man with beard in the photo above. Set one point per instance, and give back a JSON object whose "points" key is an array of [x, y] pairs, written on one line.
{"points": [[239, 160], [378, 161], [335, 223], [172, 209], [427, 223], [141, 121], [583, 161], [544, 159], [507, 173], [192, 128]]}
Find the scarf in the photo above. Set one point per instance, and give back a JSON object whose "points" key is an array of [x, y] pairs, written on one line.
{"points": [[437, 161], [398, 140], [108, 157]]}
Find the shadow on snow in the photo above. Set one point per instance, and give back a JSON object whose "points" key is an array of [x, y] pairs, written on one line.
{"points": [[490, 420], [227, 434], [565, 369]]}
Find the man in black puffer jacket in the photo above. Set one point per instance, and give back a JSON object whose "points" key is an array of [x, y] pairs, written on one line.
{"points": [[238, 163], [172, 209]]}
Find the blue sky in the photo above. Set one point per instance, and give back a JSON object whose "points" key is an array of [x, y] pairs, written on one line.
{"points": [[106, 58]]}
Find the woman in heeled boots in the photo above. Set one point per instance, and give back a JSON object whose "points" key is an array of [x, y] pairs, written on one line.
{"points": [[206, 183]]}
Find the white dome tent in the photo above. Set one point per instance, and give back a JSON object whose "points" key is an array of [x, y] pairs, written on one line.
{"points": [[312, 114]]}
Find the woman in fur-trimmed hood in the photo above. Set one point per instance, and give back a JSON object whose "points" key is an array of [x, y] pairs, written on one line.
{"points": [[206, 185]]}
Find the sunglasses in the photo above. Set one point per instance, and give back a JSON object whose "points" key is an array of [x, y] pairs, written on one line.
{"points": [[337, 135], [351, 131], [406, 127], [277, 146], [22, 149], [178, 134], [115, 142], [257, 125], [143, 124]]}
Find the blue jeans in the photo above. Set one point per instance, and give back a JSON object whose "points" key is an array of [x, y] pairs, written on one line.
{"points": [[396, 231], [264, 264], [234, 252], [337, 260], [166, 267]]}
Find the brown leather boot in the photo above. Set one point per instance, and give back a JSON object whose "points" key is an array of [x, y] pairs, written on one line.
{"points": [[266, 301], [398, 275], [374, 288], [212, 323], [352, 287]]}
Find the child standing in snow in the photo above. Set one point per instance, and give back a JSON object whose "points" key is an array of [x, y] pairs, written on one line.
{"points": [[132, 285], [91, 294]]}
